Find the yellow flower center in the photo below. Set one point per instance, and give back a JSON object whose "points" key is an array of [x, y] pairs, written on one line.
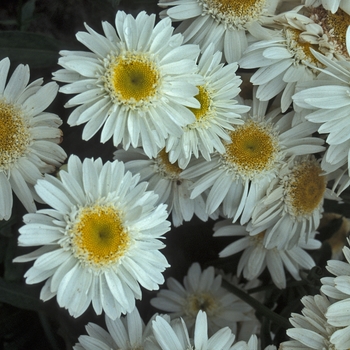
{"points": [[98, 237], [204, 99], [15, 136], [253, 149], [334, 26], [234, 13], [167, 169], [200, 301], [305, 188], [132, 80]]}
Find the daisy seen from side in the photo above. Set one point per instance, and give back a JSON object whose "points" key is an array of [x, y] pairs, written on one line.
{"points": [[135, 85], [99, 240], [29, 136]]}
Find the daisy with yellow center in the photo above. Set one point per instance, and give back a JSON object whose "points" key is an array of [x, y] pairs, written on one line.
{"points": [[239, 177], [137, 84], [256, 257], [166, 181], [100, 240], [225, 23], [201, 292], [29, 136], [219, 112], [285, 60], [293, 204]]}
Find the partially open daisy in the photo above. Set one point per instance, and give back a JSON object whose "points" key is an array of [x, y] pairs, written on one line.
{"points": [[293, 204], [201, 291], [29, 136], [225, 23], [99, 241], [136, 84], [256, 257], [239, 177], [164, 178], [219, 112], [285, 60]]}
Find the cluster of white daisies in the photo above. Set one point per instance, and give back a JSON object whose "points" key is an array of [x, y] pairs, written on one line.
{"points": [[191, 139]]}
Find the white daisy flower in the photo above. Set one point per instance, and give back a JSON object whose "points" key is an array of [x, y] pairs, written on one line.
{"points": [[328, 101], [331, 5], [284, 60], [225, 23], [175, 336], [256, 257], [99, 241], [201, 290], [239, 177], [29, 136], [338, 288], [218, 114], [252, 344], [126, 333], [136, 84], [293, 204], [164, 178]]}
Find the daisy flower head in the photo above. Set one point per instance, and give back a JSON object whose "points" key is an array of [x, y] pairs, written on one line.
{"points": [[165, 179], [201, 290], [225, 23], [217, 115], [284, 60], [29, 136], [311, 329], [174, 335], [136, 84], [256, 257], [99, 241], [239, 177], [125, 333]]}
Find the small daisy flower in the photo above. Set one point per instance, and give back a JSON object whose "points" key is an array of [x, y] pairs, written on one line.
{"points": [[99, 241], [201, 290], [218, 114], [311, 329], [331, 5], [239, 177], [284, 60], [164, 178], [328, 101], [293, 204], [126, 333], [136, 84], [175, 336], [225, 23], [256, 257], [29, 136]]}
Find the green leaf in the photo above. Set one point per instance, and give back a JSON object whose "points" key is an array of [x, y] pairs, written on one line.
{"points": [[19, 296], [27, 14], [114, 3], [37, 50]]}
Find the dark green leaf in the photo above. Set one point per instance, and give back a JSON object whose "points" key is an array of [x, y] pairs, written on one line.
{"points": [[114, 3], [27, 13]]}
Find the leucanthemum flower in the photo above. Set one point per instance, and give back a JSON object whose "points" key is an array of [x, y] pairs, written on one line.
{"points": [[201, 290], [136, 84], [225, 23], [331, 5], [99, 241], [239, 177], [175, 335], [164, 178], [125, 333], [217, 115], [29, 136], [293, 204], [311, 329], [284, 60], [256, 257]]}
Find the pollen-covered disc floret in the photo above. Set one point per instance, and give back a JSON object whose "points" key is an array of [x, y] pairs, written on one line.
{"points": [[221, 22], [99, 241], [293, 204], [29, 136], [166, 180], [137, 83]]}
